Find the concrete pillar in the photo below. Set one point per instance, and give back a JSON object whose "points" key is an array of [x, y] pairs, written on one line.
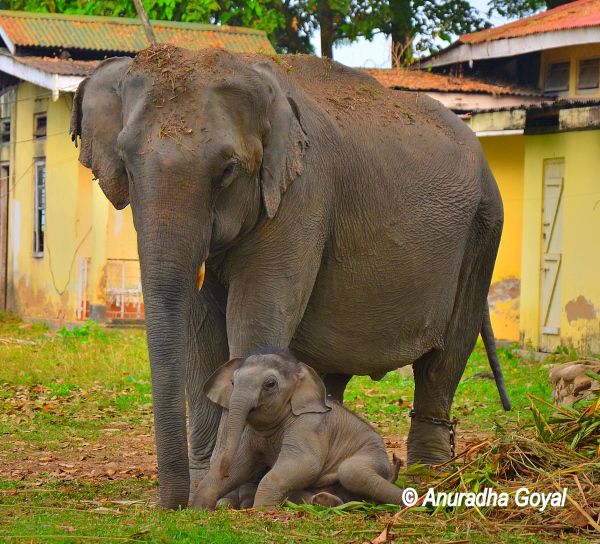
{"points": [[100, 209]]}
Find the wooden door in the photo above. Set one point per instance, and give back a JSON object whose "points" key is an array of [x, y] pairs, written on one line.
{"points": [[552, 219]]}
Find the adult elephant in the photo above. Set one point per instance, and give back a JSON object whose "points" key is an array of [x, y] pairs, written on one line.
{"points": [[357, 225]]}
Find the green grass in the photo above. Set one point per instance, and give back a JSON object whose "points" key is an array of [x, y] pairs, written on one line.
{"points": [[71, 402], [31, 354], [120, 512], [387, 402]]}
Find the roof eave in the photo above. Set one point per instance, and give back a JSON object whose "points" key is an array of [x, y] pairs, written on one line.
{"points": [[56, 83], [510, 47], [7, 41]]}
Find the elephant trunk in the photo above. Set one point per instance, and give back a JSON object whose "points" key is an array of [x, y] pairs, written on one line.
{"points": [[170, 258], [243, 399]]}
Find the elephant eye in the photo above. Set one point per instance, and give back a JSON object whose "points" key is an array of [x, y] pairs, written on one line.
{"points": [[226, 174], [270, 383]]}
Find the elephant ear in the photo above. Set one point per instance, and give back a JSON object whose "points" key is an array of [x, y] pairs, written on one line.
{"points": [[97, 119], [284, 142], [219, 386], [310, 395]]}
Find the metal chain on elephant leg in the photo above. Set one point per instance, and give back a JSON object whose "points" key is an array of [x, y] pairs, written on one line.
{"points": [[449, 424]]}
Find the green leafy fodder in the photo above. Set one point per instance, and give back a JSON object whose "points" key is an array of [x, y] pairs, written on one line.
{"points": [[545, 455]]}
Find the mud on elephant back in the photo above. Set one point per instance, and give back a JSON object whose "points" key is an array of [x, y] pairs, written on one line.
{"points": [[356, 225]]}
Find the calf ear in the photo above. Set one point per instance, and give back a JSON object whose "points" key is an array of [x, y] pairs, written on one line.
{"points": [[310, 395], [218, 387]]}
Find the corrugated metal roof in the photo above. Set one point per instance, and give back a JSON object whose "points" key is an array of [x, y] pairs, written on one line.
{"points": [[562, 103], [580, 14], [62, 67], [419, 80], [121, 34]]}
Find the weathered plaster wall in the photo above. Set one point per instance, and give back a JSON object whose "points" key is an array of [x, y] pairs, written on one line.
{"points": [[505, 155], [579, 285], [80, 222], [45, 286]]}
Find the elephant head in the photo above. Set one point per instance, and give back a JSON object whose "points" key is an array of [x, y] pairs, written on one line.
{"points": [[203, 145], [263, 390]]}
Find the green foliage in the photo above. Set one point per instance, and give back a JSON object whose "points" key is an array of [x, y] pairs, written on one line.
{"points": [[84, 333], [419, 27], [577, 426], [514, 9], [416, 26]]}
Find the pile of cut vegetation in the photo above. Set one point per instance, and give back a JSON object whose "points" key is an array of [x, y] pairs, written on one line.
{"points": [[557, 452]]}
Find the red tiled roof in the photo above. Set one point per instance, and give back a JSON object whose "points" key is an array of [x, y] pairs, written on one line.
{"points": [[580, 14], [121, 34], [62, 67], [419, 80]]}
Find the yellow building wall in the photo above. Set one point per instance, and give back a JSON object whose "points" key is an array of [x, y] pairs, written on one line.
{"points": [[575, 55], [44, 286], [81, 225], [505, 155], [579, 285]]}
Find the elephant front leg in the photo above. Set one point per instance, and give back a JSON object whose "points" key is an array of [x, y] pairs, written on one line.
{"points": [[208, 350], [245, 466]]}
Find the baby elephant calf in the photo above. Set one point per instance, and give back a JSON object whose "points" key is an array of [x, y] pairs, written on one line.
{"points": [[279, 421]]}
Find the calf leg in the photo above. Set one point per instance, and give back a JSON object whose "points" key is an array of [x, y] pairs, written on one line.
{"points": [[245, 466], [360, 476]]}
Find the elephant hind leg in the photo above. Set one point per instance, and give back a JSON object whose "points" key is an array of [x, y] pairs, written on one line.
{"points": [[438, 372], [335, 384], [358, 475]]}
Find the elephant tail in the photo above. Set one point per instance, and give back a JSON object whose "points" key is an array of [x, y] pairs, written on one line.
{"points": [[490, 347]]}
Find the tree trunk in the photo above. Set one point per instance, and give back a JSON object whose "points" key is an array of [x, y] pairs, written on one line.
{"points": [[555, 3], [325, 18], [401, 32]]}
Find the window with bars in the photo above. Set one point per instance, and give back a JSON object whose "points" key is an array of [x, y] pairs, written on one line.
{"points": [[39, 220], [5, 130], [589, 75]]}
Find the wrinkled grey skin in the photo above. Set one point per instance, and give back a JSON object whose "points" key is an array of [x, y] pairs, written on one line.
{"points": [[356, 225], [279, 420]]}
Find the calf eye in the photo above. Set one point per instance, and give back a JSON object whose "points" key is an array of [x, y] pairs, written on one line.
{"points": [[270, 383], [228, 170]]}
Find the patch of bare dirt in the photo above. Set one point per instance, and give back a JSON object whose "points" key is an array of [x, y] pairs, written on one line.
{"points": [[123, 452]]}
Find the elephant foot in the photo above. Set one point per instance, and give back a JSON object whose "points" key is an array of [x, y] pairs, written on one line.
{"points": [[196, 476], [227, 502], [327, 499], [247, 492], [430, 443], [202, 501]]}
